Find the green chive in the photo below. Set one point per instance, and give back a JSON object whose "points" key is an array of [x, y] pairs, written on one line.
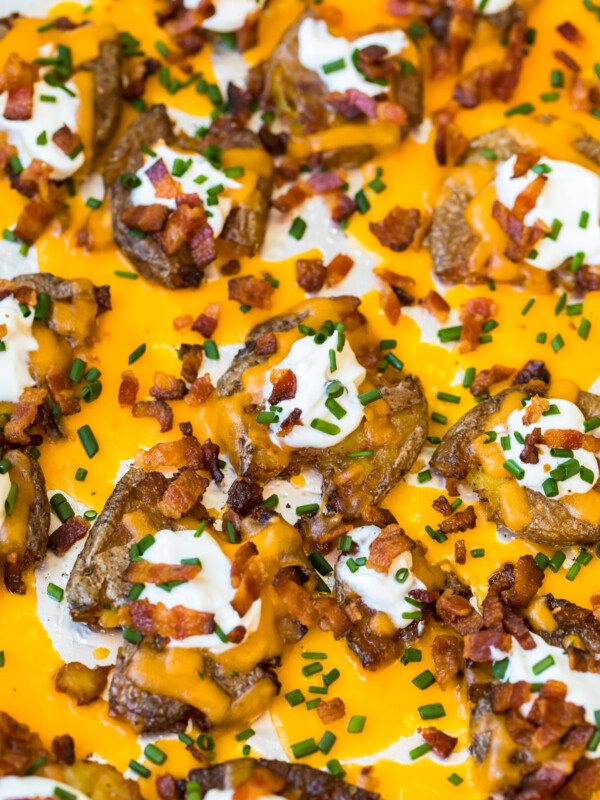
{"points": [[448, 398], [11, 499], [424, 680], [155, 754], [88, 440], [333, 66], [469, 377], [295, 697], [356, 724], [304, 748], [556, 561], [523, 108], [543, 665], [325, 427], [432, 711], [309, 508], [419, 751], [455, 779], [326, 742], [297, 228], [140, 769], [55, 592], [137, 353]]}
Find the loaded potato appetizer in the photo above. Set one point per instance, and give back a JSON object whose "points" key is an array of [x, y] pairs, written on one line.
{"points": [[342, 100], [60, 105], [29, 770], [179, 202], [313, 387], [522, 208]]}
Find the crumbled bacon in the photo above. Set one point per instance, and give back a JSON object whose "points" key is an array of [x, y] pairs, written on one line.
{"points": [[296, 598], [337, 269], [482, 645], [389, 543], [243, 495], [184, 452], [165, 786], [128, 388], [274, 143], [397, 229], [261, 782], [572, 440], [63, 748], [567, 60], [210, 455], [447, 659], [331, 710], [505, 82], [535, 409], [167, 387], [147, 572], [285, 385], [136, 75], [63, 538], [331, 616], [458, 613], [294, 197], [530, 454], [450, 142], [290, 422], [460, 551], [59, 385], [232, 267], [442, 506], [150, 219], [23, 415], [344, 208], [510, 695], [532, 371], [488, 377], [66, 140], [191, 356], [390, 304], [436, 305], [459, 522], [473, 313], [310, 274], [157, 409], [413, 8], [441, 743], [266, 344], [37, 214], [175, 623], [13, 575], [525, 160], [206, 323], [323, 182], [17, 79], [182, 494], [248, 577], [165, 185], [363, 102], [200, 390], [251, 291]]}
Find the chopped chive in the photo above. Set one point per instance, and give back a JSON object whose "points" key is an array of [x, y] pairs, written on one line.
{"points": [[574, 310], [584, 219], [541, 338], [556, 561], [478, 552], [241, 737], [309, 508], [295, 697], [270, 502], [424, 680], [432, 711], [550, 487], [42, 307], [320, 563], [304, 748], [411, 655], [55, 592], [424, 476], [131, 636], [335, 768], [557, 343], [557, 79], [450, 334], [360, 454], [334, 66], [200, 529], [572, 572], [584, 329], [356, 724], [11, 499], [455, 779], [577, 261], [88, 440], [561, 304], [362, 203], [139, 769], [488, 153], [312, 656], [523, 108], [469, 377], [331, 677], [297, 228], [543, 665], [419, 751], [325, 427], [499, 668], [155, 754], [443, 420], [448, 398], [515, 470], [137, 353]]}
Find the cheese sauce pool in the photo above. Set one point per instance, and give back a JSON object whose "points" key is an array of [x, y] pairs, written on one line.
{"points": [[144, 314]]}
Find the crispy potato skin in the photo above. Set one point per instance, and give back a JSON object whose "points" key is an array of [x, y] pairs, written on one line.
{"points": [[375, 475], [245, 226], [81, 683], [302, 781], [299, 94], [108, 101], [552, 523], [39, 514]]}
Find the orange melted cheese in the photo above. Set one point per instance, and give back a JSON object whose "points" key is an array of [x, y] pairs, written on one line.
{"points": [[145, 313]]}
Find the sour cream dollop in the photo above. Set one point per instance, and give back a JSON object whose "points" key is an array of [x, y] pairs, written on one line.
{"points": [[14, 357], [196, 167], [230, 15], [33, 137], [569, 192], [380, 591], [15, 787], [317, 48], [569, 417], [210, 591], [311, 365]]}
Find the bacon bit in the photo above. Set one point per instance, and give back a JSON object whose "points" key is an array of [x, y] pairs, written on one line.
{"points": [[23, 415], [13, 574], [230, 268], [165, 185], [244, 495], [295, 597], [210, 455], [450, 142], [447, 659], [460, 551], [473, 314], [176, 623], [392, 112], [191, 356], [294, 197], [525, 160], [323, 182], [458, 613], [390, 304], [397, 229], [285, 385], [583, 661], [332, 617], [459, 522], [566, 59], [179, 227], [37, 215], [206, 324], [363, 102], [290, 422], [514, 625], [66, 140], [572, 440], [136, 75], [182, 494], [412, 8], [248, 577], [200, 390], [533, 370], [442, 506], [274, 143], [63, 538], [387, 546], [167, 387], [18, 78], [488, 377], [150, 219], [480, 646], [251, 291], [310, 274], [441, 743], [128, 389], [507, 79], [337, 269], [184, 452], [344, 208], [158, 410], [165, 786], [60, 389], [476, 86], [63, 748], [436, 305], [529, 453], [522, 238], [147, 572], [331, 710], [510, 695], [266, 344], [535, 409], [260, 783]]}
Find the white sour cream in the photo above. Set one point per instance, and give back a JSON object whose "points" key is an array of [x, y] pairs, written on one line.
{"points": [[582, 687], [18, 342], [230, 15], [317, 47], [569, 191], [310, 364], [15, 786], [492, 6], [210, 591], [144, 194], [378, 590], [47, 117], [569, 418]]}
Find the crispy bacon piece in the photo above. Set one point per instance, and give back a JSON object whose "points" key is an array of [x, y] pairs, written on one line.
{"points": [[295, 597], [529, 454], [266, 344], [525, 160], [331, 616], [60, 389], [13, 574], [331, 710], [128, 388], [567, 60], [136, 75], [167, 387], [480, 646], [447, 659], [363, 102], [232, 267], [251, 291], [157, 409], [442, 506], [290, 422], [291, 199], [165, 786], [510, 695], [165, 185], [582, 784], [476, 86], [176, 623], [390, 542], [460, 551], [397, 229], [323, 182], [17, 79], [514, 625], [37, 214], [473, 313], [505, 82], [260, 783], [179, 225], [150, 219], [20, 747], [458, 613], [248, 577], [191, 356], [488, 377], [337, 269], [147, 572], [182, 494], [441, 743], [63, 538], [392, 112], [66, 140], [532, 371], [435, 304], [200, 390], [390, 304], [310, 274], [63, 748], [23, 415], [344, 208], [184, 452], [206, 323], [285, 385], [244, 494], [572, 440], [535, 409], [461, 521], [210, 455]]}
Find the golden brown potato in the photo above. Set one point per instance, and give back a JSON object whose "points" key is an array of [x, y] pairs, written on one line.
{"points": [[81, 683]]}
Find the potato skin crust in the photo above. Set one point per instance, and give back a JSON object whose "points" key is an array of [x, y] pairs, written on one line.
{"points": [[244, 228], [551, 523]]}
